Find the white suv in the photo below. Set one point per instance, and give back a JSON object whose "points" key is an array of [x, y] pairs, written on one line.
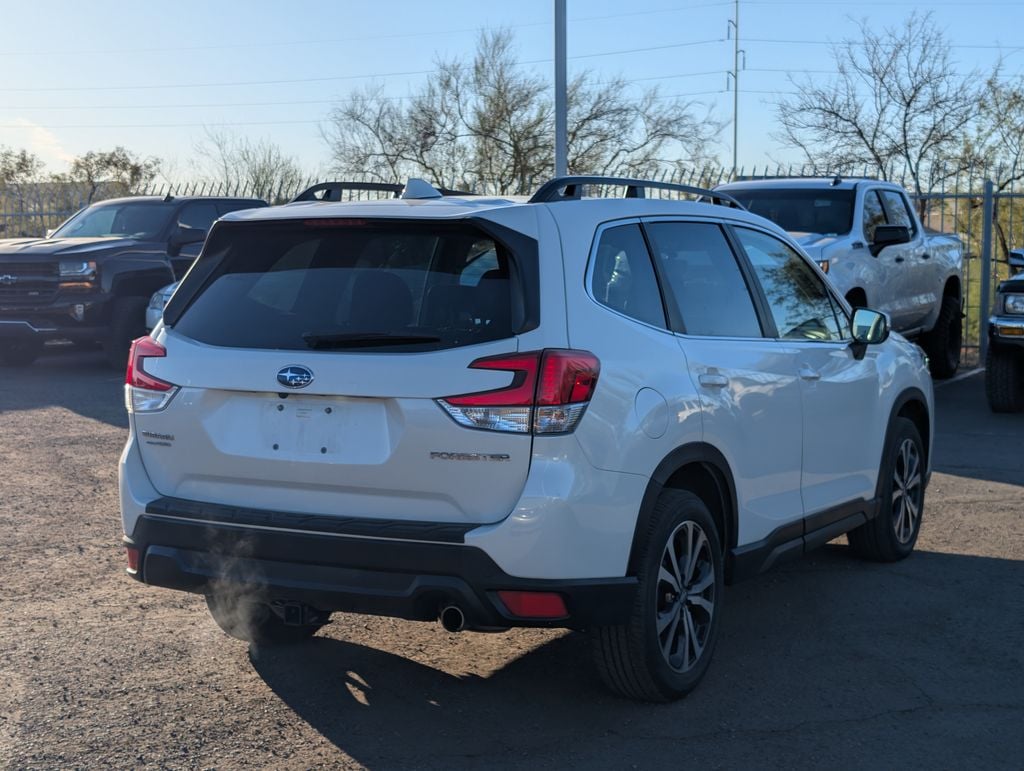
{"points": [[563, 412]]}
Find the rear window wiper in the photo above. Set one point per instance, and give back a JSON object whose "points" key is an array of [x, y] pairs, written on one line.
{"points": [[363, 339]]}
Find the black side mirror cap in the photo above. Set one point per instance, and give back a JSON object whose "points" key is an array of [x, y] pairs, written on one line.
{"points": [[889, 235], [868, 327], [183, 235]]}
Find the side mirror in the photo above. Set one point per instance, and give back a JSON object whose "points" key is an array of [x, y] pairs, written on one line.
{"points": [[183, 235], [889, 235], [1016, 260], [868, 327]]}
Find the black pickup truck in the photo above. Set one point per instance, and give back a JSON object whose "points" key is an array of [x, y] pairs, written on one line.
{"points": [[91, 279], [1004, 364]]}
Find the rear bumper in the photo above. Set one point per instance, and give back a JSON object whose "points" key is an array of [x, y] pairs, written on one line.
{"points": [[337, 572]]}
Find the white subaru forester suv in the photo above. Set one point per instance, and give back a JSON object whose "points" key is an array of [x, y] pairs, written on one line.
{"points": [[568, 411]]}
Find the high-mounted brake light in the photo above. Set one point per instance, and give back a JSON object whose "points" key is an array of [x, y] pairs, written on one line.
{"points": [[144, 392], [548, 394]]}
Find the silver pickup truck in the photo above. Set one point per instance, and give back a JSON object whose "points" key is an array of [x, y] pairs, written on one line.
{"points": [[866, 236]]}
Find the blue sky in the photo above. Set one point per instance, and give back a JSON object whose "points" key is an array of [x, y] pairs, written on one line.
{"points": [[91, 75]]}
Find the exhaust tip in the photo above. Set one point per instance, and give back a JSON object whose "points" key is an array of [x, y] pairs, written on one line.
{"points": [[452, 618]]}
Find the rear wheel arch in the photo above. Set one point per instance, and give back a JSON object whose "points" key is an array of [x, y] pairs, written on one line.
{"points": [[701, 469]]}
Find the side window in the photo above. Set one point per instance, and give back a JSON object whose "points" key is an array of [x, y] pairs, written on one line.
{"points": [[623, 278], [199, 215], [799, 301], [896, 209], [697, 264], [229, 206], [874, 214]]}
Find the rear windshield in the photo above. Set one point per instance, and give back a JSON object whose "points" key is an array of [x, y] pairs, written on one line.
{"points": [[360, 284], [826, 212]]}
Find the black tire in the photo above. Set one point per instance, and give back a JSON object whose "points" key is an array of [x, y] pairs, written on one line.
{"points": [[634, 659], [944, 342], [21, 354], [255, 622], [127, 322], [891, 535], [1004, 380]]}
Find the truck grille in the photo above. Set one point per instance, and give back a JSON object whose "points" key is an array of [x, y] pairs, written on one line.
{"points": [[27, 283]]}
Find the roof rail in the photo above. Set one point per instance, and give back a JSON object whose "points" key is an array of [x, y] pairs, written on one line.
{"points": [[571, 188], [331, 191]]}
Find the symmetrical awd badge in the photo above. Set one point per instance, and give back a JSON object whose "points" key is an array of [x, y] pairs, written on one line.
{"points": [[295, 376]]}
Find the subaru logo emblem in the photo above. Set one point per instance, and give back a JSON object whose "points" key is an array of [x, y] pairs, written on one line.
{"points": [[8, 280], [295, 376]]}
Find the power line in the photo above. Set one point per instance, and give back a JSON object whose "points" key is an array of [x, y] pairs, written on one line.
{"points": [[158, 125], [985, 46], [329, 78], [357, 38]]}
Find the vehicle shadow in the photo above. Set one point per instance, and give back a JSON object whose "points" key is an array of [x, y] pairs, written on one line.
{"points": [[69, 377], [973, 442], [807, 655]]}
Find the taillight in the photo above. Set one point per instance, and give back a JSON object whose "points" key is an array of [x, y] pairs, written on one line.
{"points": [[548, 394], [144, 392]]}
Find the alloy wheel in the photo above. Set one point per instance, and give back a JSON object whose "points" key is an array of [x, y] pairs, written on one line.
{"points": [[907, 491], [685, 596]]}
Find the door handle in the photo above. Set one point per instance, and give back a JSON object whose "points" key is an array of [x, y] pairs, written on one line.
{"points": [[713, 381], [806, 373], [926, 256], [898, 259]]}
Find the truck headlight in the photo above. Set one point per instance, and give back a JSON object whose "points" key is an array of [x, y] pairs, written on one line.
{"points": [[83, 269], [161, 297], [1014, 303]]}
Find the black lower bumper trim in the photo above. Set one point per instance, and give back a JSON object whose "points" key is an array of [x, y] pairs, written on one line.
{"points": [[404, 579], [409, 530]]}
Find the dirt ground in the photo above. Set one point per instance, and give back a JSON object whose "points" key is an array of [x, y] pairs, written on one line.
{"points": [[827, 661]]}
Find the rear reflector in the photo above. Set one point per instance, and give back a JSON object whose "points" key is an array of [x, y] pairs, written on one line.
{"points": [[133, 559], [534, 604], [548, 394]]}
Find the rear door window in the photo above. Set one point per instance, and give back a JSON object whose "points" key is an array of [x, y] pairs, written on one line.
{"points": [[695, 260], [324, 284]]}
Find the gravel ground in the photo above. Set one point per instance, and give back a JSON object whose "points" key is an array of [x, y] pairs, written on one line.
{"points": [[827, 661]]}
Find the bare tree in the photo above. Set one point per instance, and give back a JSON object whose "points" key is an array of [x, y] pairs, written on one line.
{"points": [[998, 144], [897, 105], [491, 121], [257, 167]]}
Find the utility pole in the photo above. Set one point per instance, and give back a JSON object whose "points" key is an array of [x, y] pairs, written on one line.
{"points": [[561, 107], [733, 30]]}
